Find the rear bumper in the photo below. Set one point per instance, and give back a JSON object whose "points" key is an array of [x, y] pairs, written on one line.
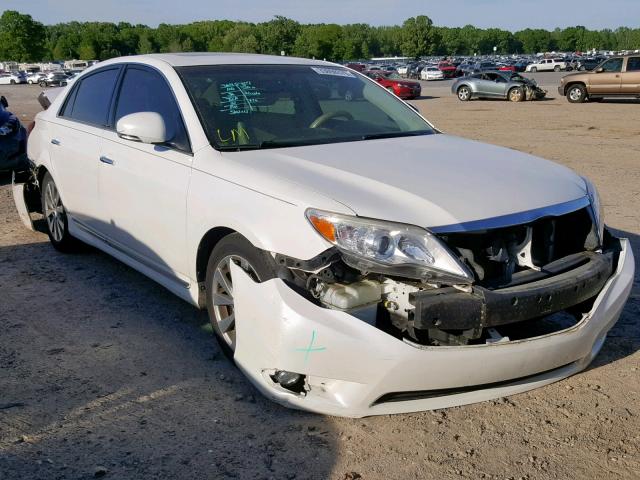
{"points": [[354, 369]]}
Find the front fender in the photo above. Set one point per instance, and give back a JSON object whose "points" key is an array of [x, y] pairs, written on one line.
{"points": [[269, 223]]}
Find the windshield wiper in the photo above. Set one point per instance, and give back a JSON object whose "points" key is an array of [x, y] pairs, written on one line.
{"points": [[373, 136]]}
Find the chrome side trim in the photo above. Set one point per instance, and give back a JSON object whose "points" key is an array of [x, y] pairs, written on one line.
{"points": [[514, 218], [131, 254]]}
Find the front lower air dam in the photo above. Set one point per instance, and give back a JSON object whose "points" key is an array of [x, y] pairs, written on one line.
{"points": [[353, 369]]}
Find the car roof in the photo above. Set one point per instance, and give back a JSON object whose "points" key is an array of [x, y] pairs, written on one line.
{"points": [[208, 58]]}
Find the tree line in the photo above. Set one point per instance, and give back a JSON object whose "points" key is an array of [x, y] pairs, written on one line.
{"points": [[26, 40]]}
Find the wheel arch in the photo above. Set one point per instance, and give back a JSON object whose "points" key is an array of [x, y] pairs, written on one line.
{"points": [[575, 82], [206, 246]]}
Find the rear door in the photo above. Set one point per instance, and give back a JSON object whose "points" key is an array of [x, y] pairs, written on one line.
{"points": [[75, 145], [630, 84], [143, 187], [609, 80]]}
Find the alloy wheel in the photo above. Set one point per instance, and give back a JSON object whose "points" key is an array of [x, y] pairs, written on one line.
{"points": [[463, 93], [223, 303], [575, 94], [515, 95], [54, 212]]}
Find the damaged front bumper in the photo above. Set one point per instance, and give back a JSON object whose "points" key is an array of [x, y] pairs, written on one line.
{"points": [[533, 92], [354, 369]]}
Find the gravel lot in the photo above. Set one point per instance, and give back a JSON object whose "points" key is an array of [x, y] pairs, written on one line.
{"points": [[104, 374]]}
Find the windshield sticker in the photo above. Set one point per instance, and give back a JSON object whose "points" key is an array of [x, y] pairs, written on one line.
{"points": [[238, 97], [338, 72], [235, 135]]}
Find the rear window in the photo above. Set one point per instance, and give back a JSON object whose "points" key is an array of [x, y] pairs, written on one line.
{"points": [[90, 100], [633, 64]]}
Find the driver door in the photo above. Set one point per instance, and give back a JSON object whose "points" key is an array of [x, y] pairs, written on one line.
{"points": [[608, 81], [496, 84], [143, 187]]}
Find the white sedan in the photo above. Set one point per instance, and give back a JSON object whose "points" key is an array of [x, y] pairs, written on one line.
{"points": [[431, 73], [353, 259], [12, 78]]}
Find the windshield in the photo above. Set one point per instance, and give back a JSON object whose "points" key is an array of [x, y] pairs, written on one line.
{"points": [[268, 106]]}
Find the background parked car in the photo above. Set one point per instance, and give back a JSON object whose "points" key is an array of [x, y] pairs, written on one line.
{"points": [[448, 70], [34, 78], [484, 67], [506, 85], [393, 82], [589, 63], [616, 77], [12, 78], [13, 140], [431, 73], [58, 79], [547, 65]]}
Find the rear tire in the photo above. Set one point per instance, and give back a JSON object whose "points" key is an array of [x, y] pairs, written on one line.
{"points": [[576, 94], [533, 70], [464, 93], [516, 94], [56, 217], [557, 68], [12, 82], [219, 284], [43, 84]]}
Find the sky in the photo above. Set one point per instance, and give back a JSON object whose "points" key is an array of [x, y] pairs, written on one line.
{"points": [[507, 14]]}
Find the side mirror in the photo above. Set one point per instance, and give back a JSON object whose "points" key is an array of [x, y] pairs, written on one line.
{"points": [[599, 70], [144, 127], [3, 102]]}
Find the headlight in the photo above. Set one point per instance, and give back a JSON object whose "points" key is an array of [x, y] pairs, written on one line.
{"points": [[390, 248], [596, 208]]}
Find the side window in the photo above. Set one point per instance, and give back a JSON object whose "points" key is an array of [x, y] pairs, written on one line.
{"points": [[633, 64], [146, 91], [613, 65], [90, 100]]}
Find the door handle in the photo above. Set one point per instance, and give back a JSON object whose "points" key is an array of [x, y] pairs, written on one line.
{"points": [[106, 160], [55, 142]]}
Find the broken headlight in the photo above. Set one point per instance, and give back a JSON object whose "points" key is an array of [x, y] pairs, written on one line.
{"points": [[596, 208], [389, 248]]}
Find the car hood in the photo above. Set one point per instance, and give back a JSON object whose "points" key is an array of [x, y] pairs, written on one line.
{"points": [[430, 181]]}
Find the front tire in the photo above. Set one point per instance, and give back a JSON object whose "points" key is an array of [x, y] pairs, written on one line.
{"points": [[43, 84], [576, 94], [219, 284], [516, 94], [56, 217]]}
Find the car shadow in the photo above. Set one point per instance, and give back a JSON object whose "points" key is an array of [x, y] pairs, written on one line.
{"points": [[622, 101], [5, 178], [103, 369], [423, 97]]}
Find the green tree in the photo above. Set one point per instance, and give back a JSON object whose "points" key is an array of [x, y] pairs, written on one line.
{"points": [[21, 38], [241, 38], [417, 37], [278, 35]]}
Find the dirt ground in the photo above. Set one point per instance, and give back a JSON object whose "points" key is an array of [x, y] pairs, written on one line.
{"points": [[105, 374]]}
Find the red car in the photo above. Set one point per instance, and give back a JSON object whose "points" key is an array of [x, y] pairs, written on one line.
{"points": [[507, 68], [448, 70], [358, 67], [393, 82]]}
